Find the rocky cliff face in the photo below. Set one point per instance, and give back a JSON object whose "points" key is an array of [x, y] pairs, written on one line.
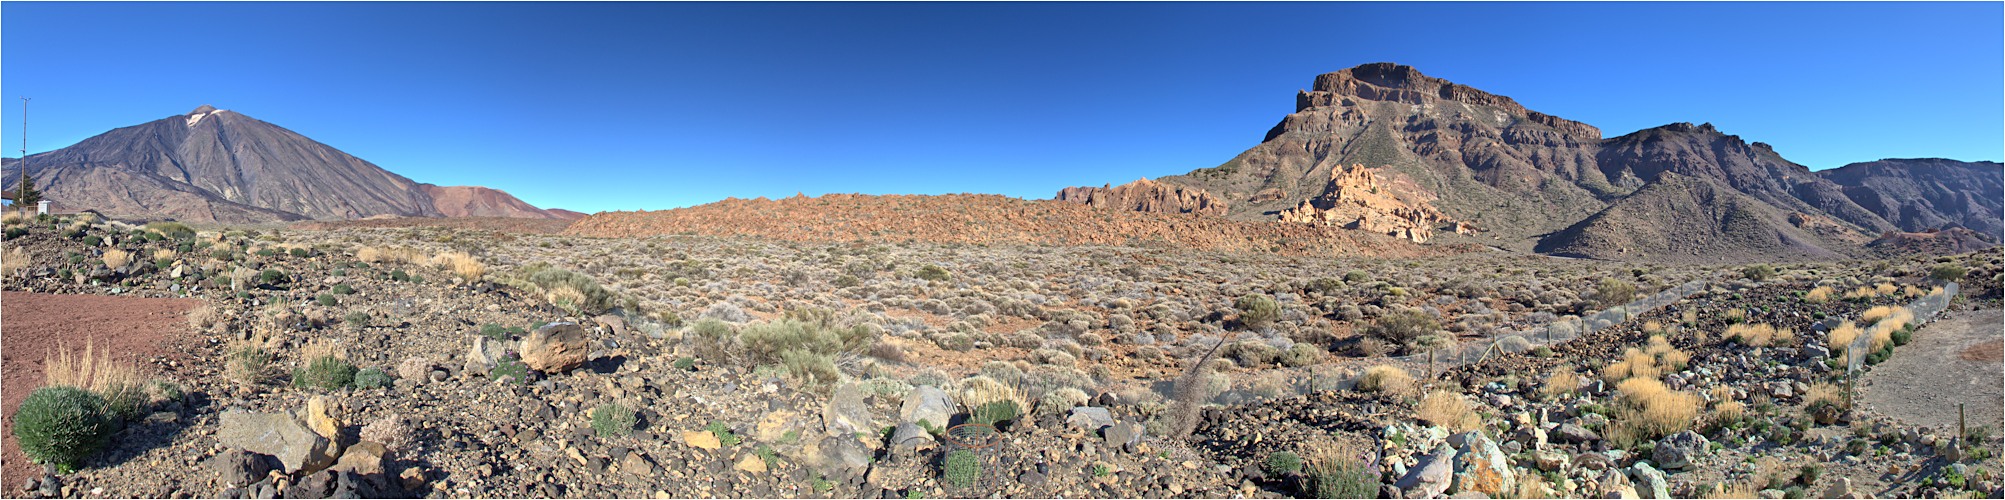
{"points": [[1480, 163], [1358, 198], [219, 165], [1145, 196], [1928, 193]]}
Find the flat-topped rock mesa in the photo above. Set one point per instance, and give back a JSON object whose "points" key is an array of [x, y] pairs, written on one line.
{"points": [[1401, 83]]}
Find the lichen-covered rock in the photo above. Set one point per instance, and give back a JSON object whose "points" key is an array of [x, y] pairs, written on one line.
{"points": [[1481, 467], [1678, 451], [1431, 477]]}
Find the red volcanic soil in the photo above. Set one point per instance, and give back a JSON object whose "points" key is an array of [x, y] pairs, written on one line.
{"points": [[132, 329]]}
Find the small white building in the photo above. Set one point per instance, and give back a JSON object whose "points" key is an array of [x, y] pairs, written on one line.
{"points": [[42, 207]]}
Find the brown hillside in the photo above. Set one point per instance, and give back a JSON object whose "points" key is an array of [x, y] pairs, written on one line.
{"points": [[985, 220]]}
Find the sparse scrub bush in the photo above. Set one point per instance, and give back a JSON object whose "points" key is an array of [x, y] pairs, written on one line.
{"points": [[1758, 272], [61, 425], [1386, 379], [273, 277], [1257, 311], [1404, 326], [1300, 355], [930, 272], [1062, 399], [247, 364], [1337, 471], [357, 319], [1611, 292], [1947, 272], [343, 289], [1449, 410], [613, 420]]}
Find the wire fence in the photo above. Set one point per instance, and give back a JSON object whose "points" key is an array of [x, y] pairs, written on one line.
{"points": [[1288, 382], [1566, 328], [1925, 310]]}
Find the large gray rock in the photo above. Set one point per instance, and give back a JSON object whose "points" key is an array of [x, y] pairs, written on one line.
{"points": [[1481, 467], [909, 437], [1089, 418], [239, 468], [1650, 482], [1431, 477], [1574, 434], [278, 435], [1124, 436], [1678, 451], [556, 347], [843, 457], [929, 404], [484, 353], [848, 412]]}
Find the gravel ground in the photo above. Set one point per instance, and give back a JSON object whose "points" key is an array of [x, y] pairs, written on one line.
{"points": [[1925, 380]]}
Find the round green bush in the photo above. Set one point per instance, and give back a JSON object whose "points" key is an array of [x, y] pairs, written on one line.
{"points": [[328, 372], [61, 426], [371, 378]]}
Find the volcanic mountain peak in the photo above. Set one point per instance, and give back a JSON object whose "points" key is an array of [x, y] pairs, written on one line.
{"points": [[196, 116], [1400, 83]]}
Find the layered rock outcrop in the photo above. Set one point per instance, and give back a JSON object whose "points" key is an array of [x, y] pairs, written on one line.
{"points": [[1145, 195], [1358, 198]]}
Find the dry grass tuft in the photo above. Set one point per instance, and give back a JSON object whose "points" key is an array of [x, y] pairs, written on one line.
{"points": [[118, 382], [1386, 379], [1842, 336], [1655, 409], [116, 258], [165, 254], [467, 267], [387, 255], [1824, 392], [203, 317], [1887, 289], [1736, 315], [322, 348], [1561, 382], [1448, 410], [1819, 295], [12, 218], [15, 260], [1760, 335], [1635, 363], [1729, 411]]}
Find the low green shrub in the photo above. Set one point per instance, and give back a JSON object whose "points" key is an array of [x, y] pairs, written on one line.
{"points": [[326, 372], [61, 426], [1283, 462], [612, 420], [962, 469], [371, 378]]}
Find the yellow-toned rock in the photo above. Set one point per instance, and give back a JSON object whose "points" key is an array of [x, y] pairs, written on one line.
{"points": [[752, 464], [701, 439]]}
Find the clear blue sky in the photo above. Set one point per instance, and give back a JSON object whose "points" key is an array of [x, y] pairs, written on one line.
{"points": [[615, 106]]}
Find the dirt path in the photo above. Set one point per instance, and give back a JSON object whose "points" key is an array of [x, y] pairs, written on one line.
{"points": [[134, 329], [1953, 360]]}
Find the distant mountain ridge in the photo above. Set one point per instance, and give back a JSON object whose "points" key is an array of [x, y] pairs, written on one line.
{"points": [[223, 166], [1466, 161]]}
